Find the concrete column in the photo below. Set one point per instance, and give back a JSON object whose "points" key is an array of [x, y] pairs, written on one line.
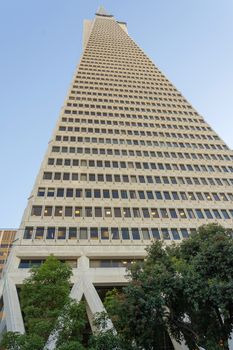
{"points": [[94, 303], [178, 346], [77, 291], [14, 319], [76, 294]]}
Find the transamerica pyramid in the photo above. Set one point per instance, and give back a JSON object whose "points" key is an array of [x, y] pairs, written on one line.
{"points": [[130, 162]]}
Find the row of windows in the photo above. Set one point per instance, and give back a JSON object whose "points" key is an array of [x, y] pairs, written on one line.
{"points": [[127, 212], [81, 96], [106, 233], [146, 165], [93, 263], [135, 179], [132, 100], [132, 194], [125, 109], [138, 153], [127, 123], [29, 263], [138, 132], [144, 142], [122, 73]]}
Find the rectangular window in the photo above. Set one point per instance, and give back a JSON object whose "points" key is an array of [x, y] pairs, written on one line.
{"points": [[48, 211], [182, 213], [83, 233], [115, 233], [68, 211], [126, 212], [165, 233], [66, 176], [154, 213], [78, 193], [72, 233], [155, 233], [217, 214], [41, 192], [158, 195], [164, 213], [125, 233], [117, 212], [50, 233], [47, 176], [184, 232], [91, 177], [69, 192], [106, 194], [36, 210], [173, 213], [135, 234], [88, 193], [51, 192], [175, 234], [58, 211], [145, 212], [175, 196], [149, 194], [94, 233], [57, 176], [75, 177], [134, 196], [145, 233], [78, 212], [208, 214], [104, 233], [88, 212], [108, 212], [225, 214], [199, 214], [39, 233], [97, 194], [115, 194], [190, 214], [98, 212], [61, 233], [28, 232], [141, 194], [136, 213], [166, 195], [60, 192]]}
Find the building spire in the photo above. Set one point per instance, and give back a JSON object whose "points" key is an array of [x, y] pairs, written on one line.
{"points": [[102, 12]]}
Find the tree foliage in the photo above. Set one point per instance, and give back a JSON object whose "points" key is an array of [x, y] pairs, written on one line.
{"points": [[47, 308], [184, 289]]}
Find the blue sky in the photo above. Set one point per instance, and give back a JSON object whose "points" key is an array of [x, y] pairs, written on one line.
{"points": [[40, 44]]}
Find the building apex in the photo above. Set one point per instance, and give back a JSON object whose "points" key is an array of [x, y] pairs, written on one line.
{"points": [[102, 12]]}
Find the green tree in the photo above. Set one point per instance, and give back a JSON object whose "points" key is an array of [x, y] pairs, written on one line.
{"points": [[183, 289], [47, 307], [207, 269]]}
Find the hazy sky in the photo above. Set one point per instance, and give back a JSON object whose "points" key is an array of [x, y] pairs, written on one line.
{"points": [[191, 41]]}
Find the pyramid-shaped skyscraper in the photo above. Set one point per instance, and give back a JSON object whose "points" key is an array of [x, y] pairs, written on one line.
{"points": [[130, 162]]}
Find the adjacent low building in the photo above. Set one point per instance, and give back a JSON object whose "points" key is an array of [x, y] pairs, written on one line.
{"points": [[7, 236]]}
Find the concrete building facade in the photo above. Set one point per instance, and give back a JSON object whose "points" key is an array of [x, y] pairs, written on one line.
{"points": [[130, 161]]}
